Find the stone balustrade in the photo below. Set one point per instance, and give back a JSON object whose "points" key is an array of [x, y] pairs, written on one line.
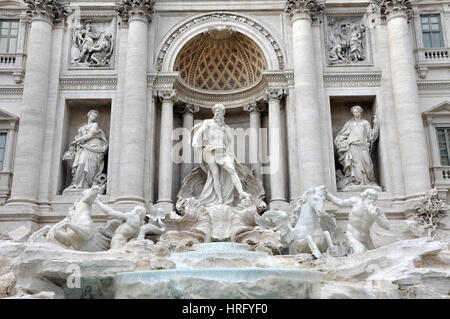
{"points": [[13, 63], [431, 58], [441, 175]]}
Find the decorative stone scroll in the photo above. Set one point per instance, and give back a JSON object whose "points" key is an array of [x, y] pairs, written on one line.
{"points": [[222, 17], [346, 41], [48, 9], [188, 108], [129, 9]]}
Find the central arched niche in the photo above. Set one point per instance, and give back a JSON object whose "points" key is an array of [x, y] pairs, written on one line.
{"points": [[220, 59]]}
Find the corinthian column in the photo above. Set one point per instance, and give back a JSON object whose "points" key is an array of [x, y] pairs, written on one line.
{"points": [[254, 110], [27, 165], [411, 133], [133, 138], [187, 111], [165, 151], [306, 104], [277, 167]]}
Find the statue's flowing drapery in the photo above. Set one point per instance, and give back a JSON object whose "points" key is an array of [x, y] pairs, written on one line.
{"points": [[89, 159], [353, 145], [200, 183]]}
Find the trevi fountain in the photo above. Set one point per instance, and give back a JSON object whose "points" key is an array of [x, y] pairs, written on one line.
{"points": [[253, 149]]}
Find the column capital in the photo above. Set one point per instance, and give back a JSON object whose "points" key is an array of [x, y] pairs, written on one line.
{"points": [[47, 10], [392, 8], [130, 10], [274, 94], [254, 107], [167, 95], [303, 9], [188, 108]]}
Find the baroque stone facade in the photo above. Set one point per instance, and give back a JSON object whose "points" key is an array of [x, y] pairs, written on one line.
{"points": [[351, 95]]}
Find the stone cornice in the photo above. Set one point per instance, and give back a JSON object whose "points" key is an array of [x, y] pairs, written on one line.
{"points": [[437, 85], [11, 91], [303, 8], [352, 79], [50, 10], [85, 83], [135, 9], [230, 98]]}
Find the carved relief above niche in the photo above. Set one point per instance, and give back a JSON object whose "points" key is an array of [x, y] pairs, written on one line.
{"points": [[92, 43], [346, 41]]}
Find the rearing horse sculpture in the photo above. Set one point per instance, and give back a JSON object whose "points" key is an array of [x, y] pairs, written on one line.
{"points": [[311, 233], [77, 229]]}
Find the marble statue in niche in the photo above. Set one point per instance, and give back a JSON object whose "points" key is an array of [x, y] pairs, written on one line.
{"points": [[354, 144], [222, 188], [346, 40], [87, 155], [91, 47], [215, 143]]}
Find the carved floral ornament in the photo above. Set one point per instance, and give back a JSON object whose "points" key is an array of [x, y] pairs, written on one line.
{"points": [[222, 17], [49, 9], [129, 9], [392, 7], [275, 94], [301, 7], [254, 107]]}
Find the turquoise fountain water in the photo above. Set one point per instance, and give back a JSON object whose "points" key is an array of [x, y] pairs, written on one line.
{"points": [[220, 270]]}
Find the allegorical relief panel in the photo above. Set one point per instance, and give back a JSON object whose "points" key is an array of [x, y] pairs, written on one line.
{"points": [[346, 41], [92, 44]]}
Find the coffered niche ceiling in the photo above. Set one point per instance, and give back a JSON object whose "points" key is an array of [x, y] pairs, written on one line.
{"points": [[220, 60]]}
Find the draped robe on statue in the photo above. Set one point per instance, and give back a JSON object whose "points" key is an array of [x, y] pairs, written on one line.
{"points": [[89, 159], [353, 145], [200, 184]]}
